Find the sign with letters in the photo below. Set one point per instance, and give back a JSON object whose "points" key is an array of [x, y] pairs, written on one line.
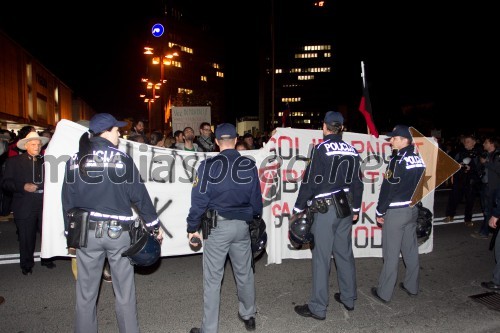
{"points": [[190, 116]]}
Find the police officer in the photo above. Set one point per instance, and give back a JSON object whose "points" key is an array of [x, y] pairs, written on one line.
{"points": [[102, 179], [333, 167], [228, 184], [397, 217]]}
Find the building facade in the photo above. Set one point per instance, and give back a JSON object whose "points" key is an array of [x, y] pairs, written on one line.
{"points": [[30, 94]]}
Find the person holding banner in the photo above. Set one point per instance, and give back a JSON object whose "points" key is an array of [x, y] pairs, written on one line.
{"points": [[105, 182], [397, 217], [333, 172], [228, 186]]}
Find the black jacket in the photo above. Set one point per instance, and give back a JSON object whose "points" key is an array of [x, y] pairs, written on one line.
{"points": [[112, 187], [400, 180], [228, 183], [334, 165], [19, 170]]}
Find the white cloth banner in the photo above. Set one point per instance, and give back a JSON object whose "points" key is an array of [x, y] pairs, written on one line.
{"points": [[168, 177]]}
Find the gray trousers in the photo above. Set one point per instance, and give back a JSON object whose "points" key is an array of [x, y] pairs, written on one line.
{"points": [[90, 262], [229, 237], [332, 236], [399, 235]]}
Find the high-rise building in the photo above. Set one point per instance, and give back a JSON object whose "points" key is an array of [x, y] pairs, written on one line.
{"points": [[183, 63], [303, 59]]}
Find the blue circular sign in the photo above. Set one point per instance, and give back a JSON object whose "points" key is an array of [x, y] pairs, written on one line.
{"points": [[157, 30]]}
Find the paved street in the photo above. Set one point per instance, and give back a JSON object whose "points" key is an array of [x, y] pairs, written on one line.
{"points": [[170, 294]]}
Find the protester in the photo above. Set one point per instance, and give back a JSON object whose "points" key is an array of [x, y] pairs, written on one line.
{"points": [[334, 167], [21, 134], [169, 141], [138, 129], [188, 141], [235, 199], [24, 178], [106, 181], [249, 140], [397, 217], [178, 137], [241, 145], [156, 139], [13, 150], [205, 140]]}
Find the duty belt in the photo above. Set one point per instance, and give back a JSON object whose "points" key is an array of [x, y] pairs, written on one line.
{"points": [[104, 217], [107, 223], [328, 201]]}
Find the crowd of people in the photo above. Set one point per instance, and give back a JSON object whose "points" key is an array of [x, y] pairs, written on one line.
{"points": [[235, 203], [478, 177], [188, 139]]}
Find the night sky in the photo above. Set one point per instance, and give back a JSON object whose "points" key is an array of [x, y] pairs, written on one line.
{"points": [[415, 53]]}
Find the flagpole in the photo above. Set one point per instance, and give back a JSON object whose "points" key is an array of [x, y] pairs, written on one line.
{"points": [[365, 105], [364, 85], [363, 72]]}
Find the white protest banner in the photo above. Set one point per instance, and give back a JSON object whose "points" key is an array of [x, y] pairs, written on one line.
{"points": [[168, 176], [281, 176]]}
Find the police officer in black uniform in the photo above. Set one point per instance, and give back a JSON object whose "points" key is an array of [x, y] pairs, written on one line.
{"points": [[228, 184], [397, 217], [334, 167], [105, 181]]}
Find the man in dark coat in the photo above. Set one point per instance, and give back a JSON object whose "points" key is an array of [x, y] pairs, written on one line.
{"points": [[24, 177]]}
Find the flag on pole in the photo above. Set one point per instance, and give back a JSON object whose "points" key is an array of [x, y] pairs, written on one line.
{"points": [[286, 112], [365, 106]]}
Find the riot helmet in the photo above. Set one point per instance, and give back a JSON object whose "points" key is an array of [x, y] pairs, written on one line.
{"points": [[299, 232], [260, 245], [145, 251], [258, 235]]}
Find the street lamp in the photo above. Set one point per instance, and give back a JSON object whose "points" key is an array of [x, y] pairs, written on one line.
{"points": [[151, 94], [162, 59]]}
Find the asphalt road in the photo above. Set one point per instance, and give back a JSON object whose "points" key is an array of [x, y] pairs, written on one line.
{"points": [[170, 294]]}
